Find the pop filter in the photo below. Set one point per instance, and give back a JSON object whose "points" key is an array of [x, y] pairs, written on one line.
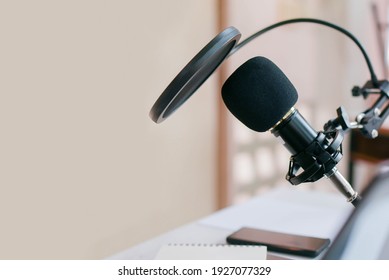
{"points": [[194, 74]]}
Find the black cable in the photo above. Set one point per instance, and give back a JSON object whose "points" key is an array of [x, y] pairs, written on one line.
{"points": [[317, 21]]}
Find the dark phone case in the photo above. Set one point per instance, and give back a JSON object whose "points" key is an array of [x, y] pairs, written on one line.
{"points": [[231, 239]]}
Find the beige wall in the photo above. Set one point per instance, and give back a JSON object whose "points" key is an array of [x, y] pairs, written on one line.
{"points": [[84, 173]]}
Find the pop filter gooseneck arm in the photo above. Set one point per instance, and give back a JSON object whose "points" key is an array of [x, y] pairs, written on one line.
{"points": [[316, 21]]}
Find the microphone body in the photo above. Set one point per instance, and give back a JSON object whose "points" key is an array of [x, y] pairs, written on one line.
{"points": [[298, 135], [262, 97], [295, 131]]}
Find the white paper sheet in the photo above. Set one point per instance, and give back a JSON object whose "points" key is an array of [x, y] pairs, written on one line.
{"points": [[288, 210], [210, 252]]}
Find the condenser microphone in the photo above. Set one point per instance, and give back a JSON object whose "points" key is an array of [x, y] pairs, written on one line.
{"points": [[260, 95]]}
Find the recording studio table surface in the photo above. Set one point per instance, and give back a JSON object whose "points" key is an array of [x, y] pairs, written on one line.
{"points": [[285, 209]]}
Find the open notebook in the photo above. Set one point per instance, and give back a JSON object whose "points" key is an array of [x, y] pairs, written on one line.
{"points": [[211, 252]]}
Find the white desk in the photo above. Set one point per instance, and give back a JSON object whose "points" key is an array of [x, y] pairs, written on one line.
{"points": [[290, 210]]}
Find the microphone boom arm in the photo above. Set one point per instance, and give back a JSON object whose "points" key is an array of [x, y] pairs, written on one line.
{"points": [[372, 119]]}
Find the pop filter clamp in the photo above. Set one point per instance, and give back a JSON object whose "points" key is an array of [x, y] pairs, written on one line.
{"points": [[326, 151]]}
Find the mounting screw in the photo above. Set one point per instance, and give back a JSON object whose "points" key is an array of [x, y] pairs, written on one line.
{"points": [[360, 117], [377, 112], [374, 133]]}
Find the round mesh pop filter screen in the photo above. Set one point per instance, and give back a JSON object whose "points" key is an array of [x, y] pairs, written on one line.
{"points": [[194, 74]]}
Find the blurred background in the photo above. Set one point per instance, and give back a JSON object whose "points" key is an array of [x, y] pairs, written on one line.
{"points": [[85, 173]]}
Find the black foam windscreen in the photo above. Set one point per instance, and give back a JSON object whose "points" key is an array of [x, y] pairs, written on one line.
{"points": [[259, 94]]}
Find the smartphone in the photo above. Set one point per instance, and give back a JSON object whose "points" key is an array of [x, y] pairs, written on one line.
{"points": [[279, 242]]}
